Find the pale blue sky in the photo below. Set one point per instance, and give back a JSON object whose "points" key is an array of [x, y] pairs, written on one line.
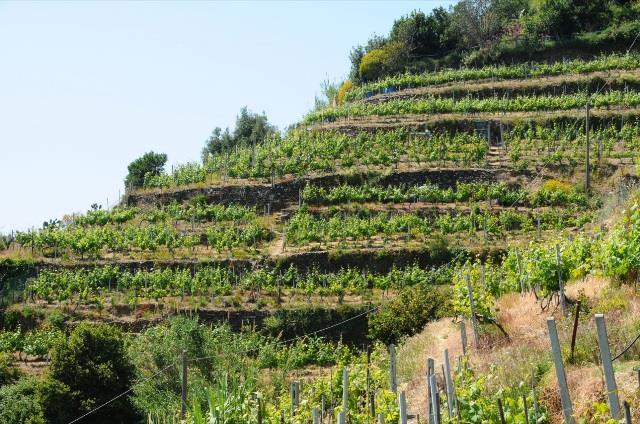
{"points": [[86, 87]]}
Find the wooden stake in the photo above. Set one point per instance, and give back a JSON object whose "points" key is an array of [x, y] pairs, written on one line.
{"points": [[563, 303], [534, 397], [433, 387], [393, 382], [403, 407], [575, 329], [501, 411], [627, 412], [448, 383], [345, 390], [588, 169], [607, 365], [561, 376], [463, 337], [474, 323], [183, 409], [430, 404]]}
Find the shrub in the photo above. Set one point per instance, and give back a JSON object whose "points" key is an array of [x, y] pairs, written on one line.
{"points": [[88, 369], [19, 403], [8, 372], [408, 313], [380, 62], [150, 163], [342, 91]]}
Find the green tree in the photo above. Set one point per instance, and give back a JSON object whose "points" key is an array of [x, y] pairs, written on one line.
{"points": [[251, 129], [358, 52], [217, 142], [89, 368], [8, 371], [149, 163], [424, 35]]}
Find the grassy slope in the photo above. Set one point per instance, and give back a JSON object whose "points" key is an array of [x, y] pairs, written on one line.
{"points": [[511, 362]]}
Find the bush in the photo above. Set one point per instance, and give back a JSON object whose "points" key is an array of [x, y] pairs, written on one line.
{"points": [[380, 62], [88, 369], [8, 372], [342, 91], [408, 313], [161, 346], [19, 403], [150, 163]]}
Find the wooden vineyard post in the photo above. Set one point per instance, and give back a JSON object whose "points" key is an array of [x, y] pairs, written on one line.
{"points": [[575, 329], [435, 406], [567, 408], [393, 382], [380, 418], [483, 276], [474, 323], [403, 407], [372, 404], [183, 406], [430, 404], [534, 397], [295, 397], [315, 416], [345, 390], [525, 409], [439, 417], [448, 383], [607, 365], [259, 399], [519, 269], [563, 303], [587, 169], [463, 337], [369, 396], [501, 411], [627, 412]]}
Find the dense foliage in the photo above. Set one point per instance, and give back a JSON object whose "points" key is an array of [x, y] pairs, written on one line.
{"points": [[473, 31], [499, 72], [408, 313], [126, 230], [251, 129], [305, 227], [469, 104], [303, 152], [150, 163], [91, 285], [552, 193]]}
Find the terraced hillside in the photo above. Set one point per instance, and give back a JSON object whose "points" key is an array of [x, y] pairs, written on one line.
{"points": [[357, 225]]}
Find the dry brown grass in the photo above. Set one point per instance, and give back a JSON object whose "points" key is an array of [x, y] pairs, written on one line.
{"points": [[510, 363]]}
